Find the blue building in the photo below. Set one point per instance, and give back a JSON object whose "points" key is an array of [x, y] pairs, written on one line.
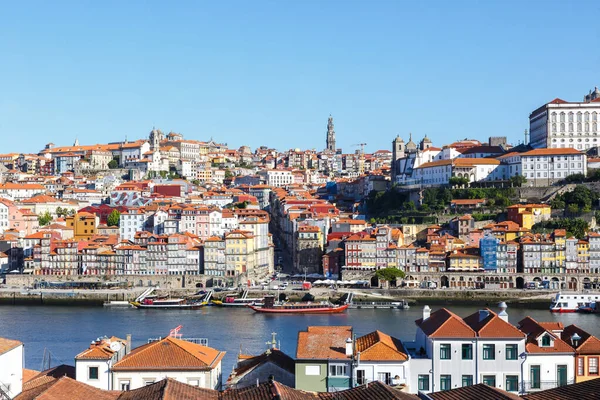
{"points": [[488, 248]]}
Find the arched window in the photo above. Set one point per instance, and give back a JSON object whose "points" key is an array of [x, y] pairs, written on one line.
{"points": [[554, 127], [587, 126], [570, 117], [562, 127], [570, 127], [553, 117], [562, 117], [579, 127]]}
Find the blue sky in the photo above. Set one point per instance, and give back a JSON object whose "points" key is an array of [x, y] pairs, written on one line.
{"points": [[270, 72]]}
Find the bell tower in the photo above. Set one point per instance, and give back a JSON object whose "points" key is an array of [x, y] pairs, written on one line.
{"points": [[330, 141]]}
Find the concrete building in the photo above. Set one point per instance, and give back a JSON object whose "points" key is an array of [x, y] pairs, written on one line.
{"points": [[543, 167]]}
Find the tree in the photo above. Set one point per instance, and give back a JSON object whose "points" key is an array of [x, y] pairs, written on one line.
{"points": [[389, 274], [518, 180], [61, 212], [113, 218], [458, 181], [113, 164], [228, 173], [45, 218]]}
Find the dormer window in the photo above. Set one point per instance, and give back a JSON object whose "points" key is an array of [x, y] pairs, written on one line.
{"points": [[546, 341]]}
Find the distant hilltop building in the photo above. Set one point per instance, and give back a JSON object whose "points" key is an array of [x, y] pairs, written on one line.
{"points": [[330, 141], [563, 124]]}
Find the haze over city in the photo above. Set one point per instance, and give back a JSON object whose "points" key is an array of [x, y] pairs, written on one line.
{"points": [[255, 73]]}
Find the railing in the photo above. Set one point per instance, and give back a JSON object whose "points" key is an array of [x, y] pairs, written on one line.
{"points": [[534, 386], [4, 392]]}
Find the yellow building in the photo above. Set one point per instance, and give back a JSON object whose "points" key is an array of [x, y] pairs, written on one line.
{"points": [[527, 215], [240, 256], [83, 224]]}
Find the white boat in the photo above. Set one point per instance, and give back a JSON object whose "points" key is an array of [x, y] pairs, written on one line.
{"points": [[570, 302]]}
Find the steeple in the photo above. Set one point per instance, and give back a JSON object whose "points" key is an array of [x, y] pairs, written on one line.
{"points": [[330, 141], [76, 142]]}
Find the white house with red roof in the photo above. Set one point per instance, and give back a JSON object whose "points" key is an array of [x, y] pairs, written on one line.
{"points": [[450, 351], [543, 167], [92, 366], [11, 368]]}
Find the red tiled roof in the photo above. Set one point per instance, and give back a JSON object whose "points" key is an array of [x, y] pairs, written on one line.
{"points": [[445, 324], [377, 346], [323, 342]]}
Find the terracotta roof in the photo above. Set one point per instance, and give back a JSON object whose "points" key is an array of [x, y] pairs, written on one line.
{"points": [[66, 388], [444, 323], [8, 344], [169, 389], [170, 354], [29, 374], [551, 152], [488, 324], [534, 331], [588, 344], [479, 391], [323, 342], [588, 390], [377, 346]]}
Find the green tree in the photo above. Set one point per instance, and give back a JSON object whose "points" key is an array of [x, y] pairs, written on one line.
{"points": [[575, 178], [45, 218], [228, 173], [389, 274], [518, 180], [60, 212], [113, 218], [113, 164], [573, 208], [458, 181]]}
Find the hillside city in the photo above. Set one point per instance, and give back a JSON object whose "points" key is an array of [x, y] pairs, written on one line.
{"points": [[174, 212]]}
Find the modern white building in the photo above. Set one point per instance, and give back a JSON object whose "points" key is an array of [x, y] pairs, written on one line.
{"points": [[451, 352], [170, 357], [131, 221], [543, 167], [11, 367], [549, 361], [563, 124], [277, 177]]}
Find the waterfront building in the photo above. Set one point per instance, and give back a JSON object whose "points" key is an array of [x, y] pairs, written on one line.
{"points": [[450, 351], [488, 248], [171, 357], [309, 249], [11, 367], [324, 359], [549, 361], [563, 124]]}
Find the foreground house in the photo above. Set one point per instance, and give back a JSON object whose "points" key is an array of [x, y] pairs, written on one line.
{"points": [[587, 352], [273, 363], [93, 365], [170, 357], [11, 368], [381, 357]]}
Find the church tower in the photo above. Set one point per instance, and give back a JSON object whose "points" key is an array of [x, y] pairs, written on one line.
{"points": [[156, 136], [397, 153], [330, 135]]}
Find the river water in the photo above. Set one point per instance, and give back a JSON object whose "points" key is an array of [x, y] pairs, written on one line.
{"points": [[66, 331]]}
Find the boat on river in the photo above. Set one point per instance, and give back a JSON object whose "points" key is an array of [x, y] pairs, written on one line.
{"points": [[271, 307], [148, 300], [231, 300], [571, 302]]}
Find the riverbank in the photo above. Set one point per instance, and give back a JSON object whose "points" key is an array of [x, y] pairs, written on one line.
{"points": [[481, 298]]}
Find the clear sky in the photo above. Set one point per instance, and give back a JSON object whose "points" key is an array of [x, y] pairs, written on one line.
{"points": [[271, 72]]}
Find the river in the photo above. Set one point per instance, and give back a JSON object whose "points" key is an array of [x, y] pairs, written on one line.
{"points": [[66, 331]]}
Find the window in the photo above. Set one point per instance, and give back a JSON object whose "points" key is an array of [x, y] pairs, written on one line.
{"points": [[148, 382], [511, 352], [489, 351], [125, 385], [512, 383], [424, 382], [580, 366], [384, 377], [360, 377], [193, 382], [312, 370], [445, 352], [92, 372], [489, 380], [338, 370], [593, 365], [546, 341], [467, 351], [534, 377], [467, 380], [445, 382]]}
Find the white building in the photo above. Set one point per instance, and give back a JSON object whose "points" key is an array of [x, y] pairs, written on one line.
{"points": [[277, 177], [562, 124], [17, 191], [131, 221], [549, 361], [512, 162], [380, 357], [451, 352], [170, 357], [474, 169], [11, 367], [543, 167], [93, 365]]}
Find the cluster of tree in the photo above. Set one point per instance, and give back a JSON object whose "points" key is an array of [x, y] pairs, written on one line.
{"points": [[64, 212], [593, 176], [113, 164], [45, 218], [581, 199], [574, 226], [389, 274], [484, 217], [228, 174]]}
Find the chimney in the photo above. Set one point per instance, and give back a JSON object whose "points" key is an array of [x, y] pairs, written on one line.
{"points": [[503, 314], [426, 313], [349, 349], [483, 314], [575, 340], [128, 344]]}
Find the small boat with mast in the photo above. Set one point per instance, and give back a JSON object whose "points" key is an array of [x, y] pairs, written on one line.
{"points": [[324, 307]]}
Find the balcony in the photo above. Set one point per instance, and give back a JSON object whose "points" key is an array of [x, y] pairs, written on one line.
{"points": [[534, 386]]}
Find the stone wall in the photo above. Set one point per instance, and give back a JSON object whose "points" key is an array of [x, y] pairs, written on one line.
{"points": [[163, 281]]}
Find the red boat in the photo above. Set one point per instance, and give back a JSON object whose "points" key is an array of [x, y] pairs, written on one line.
{"points": [[269, 306]]}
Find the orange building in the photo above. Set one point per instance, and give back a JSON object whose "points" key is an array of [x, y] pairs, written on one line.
{"points": [[83, 224]]}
